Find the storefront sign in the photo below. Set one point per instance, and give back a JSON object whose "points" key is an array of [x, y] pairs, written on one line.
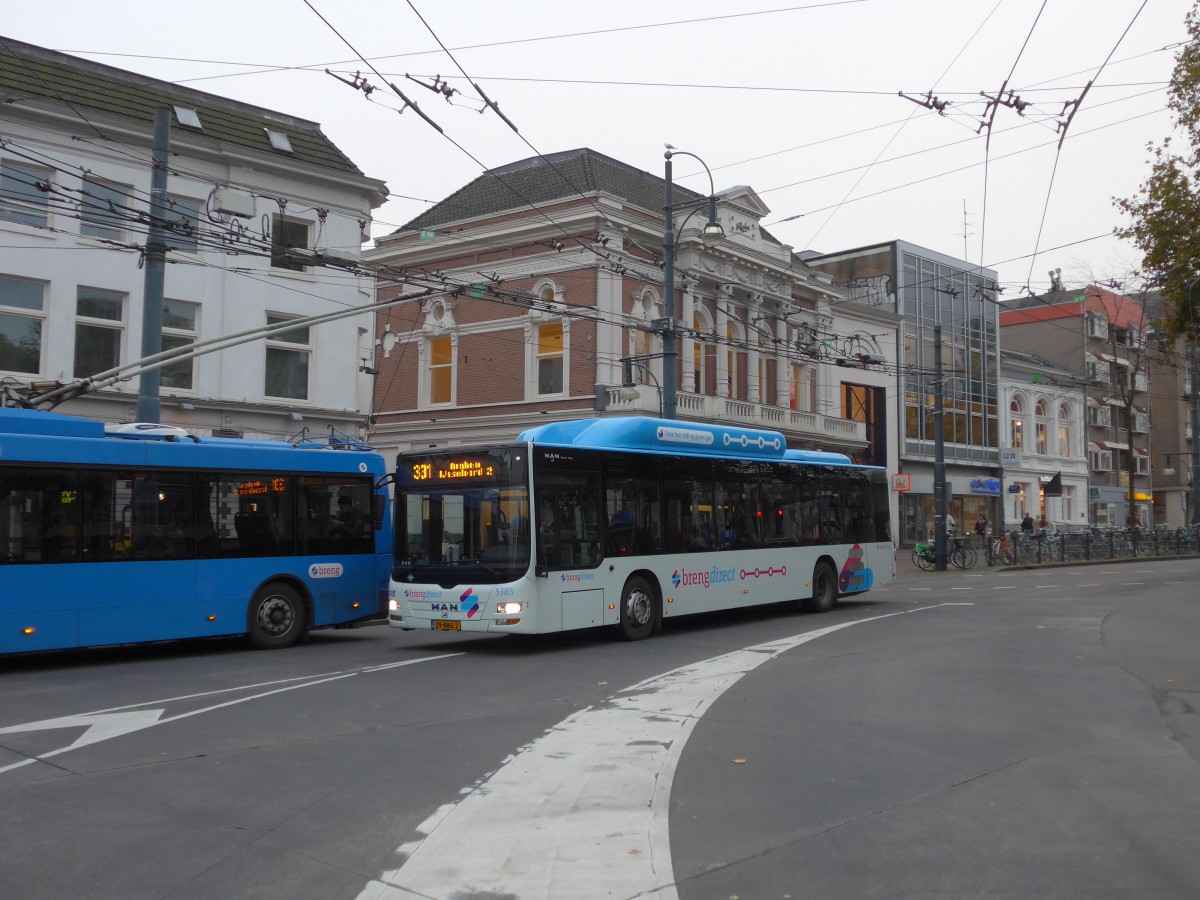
{"points": [[1014, 489], [985, 485], [1010, 457]]}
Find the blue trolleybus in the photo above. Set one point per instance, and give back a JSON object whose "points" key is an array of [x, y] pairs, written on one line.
{"points": [[628, 522], [145, 533]]}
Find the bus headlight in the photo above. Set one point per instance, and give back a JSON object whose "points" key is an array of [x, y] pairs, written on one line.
{"points": [[508, 609], [393, 604]]}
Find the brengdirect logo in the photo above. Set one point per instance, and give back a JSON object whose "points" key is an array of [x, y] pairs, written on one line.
{"points": [[325, 570], [704, 578], [470, 603]]}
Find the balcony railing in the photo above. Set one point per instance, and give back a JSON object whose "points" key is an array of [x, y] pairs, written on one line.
{"points": [[821, 429]]}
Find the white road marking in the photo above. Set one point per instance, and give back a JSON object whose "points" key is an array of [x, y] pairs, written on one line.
{"points": [[106, 724], [1132, 583], [963, 589], [582, 811], [1004, 587]]}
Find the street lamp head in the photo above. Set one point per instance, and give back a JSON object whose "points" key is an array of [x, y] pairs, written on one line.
{"points": [[713, 233]]}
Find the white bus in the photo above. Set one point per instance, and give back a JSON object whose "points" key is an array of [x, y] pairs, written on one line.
{"points": [[629, 522]]}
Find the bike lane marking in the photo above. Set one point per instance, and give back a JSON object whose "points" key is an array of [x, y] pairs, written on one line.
{"points": [[106, 724], [582, 811]]}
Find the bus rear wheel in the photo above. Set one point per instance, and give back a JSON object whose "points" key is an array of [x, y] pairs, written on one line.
{"points": [[637, 609], [824, 589], [276, 617]]}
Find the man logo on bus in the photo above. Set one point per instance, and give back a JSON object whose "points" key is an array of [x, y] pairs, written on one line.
{"points": [[470, 603]]}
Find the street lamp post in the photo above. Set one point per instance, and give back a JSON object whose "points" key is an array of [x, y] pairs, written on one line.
{"points": [[712, 232]]}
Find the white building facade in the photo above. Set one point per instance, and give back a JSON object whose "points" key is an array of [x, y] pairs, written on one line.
{"points": [[1044, 450], [265, 223]]}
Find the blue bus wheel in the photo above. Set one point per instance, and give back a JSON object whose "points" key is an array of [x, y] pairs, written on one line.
{"points": [[824, 591], [637, 609], [276, 617]]}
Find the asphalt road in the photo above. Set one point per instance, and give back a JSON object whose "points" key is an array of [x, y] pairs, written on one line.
{"points": [[992, 733]]}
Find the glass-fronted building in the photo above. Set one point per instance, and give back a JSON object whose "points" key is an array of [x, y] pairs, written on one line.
{"points": [[930, 289]]}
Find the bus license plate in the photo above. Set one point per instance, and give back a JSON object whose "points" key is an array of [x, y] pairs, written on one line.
{"points": [[446, 625]]}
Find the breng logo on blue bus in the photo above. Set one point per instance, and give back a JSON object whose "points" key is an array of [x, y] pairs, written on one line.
{"points": [[703, 578], [326, 570]]}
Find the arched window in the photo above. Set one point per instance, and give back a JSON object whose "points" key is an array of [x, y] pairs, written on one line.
{"points": [[1017, 423], [547, 342], [1064, 430], [1041, 427], [701, 324], [734, 352], [643, 343], [438, 374]]}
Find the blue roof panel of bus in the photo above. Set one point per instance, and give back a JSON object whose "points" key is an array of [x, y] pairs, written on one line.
{"points": [[36, 436], [650, 435], [39, 421]]}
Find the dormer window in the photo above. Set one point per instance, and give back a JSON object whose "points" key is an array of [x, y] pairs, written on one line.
{"points": [[279, 141], [188, 117]]}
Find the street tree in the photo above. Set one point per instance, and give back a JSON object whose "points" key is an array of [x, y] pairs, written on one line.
{"points": [[1165, 213]]}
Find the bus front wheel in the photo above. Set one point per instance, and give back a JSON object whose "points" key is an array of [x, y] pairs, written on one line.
{"points": [[276, 617], [824, 589], [637, 609]]}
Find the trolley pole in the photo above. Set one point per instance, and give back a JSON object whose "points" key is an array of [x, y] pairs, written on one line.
{"points": [[149, 407], [939, 457]]}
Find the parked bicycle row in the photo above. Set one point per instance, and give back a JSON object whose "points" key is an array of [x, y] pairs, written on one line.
{"points": [[1022, 548]]}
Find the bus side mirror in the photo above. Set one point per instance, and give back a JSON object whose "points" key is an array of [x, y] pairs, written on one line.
{"points": [[379, 503]]}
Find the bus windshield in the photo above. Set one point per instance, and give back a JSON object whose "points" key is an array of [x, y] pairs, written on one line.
{"points": [[464, 517]]}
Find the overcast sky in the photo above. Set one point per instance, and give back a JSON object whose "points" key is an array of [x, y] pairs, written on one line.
{"points": [[799, 101]]}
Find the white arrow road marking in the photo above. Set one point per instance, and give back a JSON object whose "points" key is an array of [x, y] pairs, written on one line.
{"points": [[582, 811], [110, 723], [100, 727]]}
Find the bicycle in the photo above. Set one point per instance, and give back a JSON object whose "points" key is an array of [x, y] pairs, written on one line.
{"points": [[962, 555], [999, 549], [923, 558]]}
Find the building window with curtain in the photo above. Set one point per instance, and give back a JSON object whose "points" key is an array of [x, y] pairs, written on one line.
{"points": [[99, 327], [1064, 430], [550, 359], [441, 370], [1017, 424], [288, 352], [1041, 427]]}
